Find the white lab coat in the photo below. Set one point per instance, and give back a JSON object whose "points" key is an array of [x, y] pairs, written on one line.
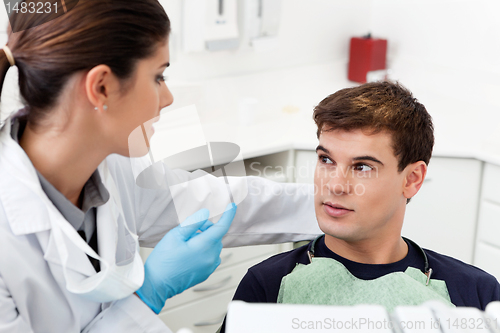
{"points": [[33, 296]]}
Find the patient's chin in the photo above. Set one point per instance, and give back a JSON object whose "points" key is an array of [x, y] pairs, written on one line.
{"points": [[339, 229]]}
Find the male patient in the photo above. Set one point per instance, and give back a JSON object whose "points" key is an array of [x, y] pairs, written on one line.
{"points": [[375, 142]]}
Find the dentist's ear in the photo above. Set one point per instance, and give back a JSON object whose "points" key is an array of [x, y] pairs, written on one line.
{"points": [[99, 83], [415, 175]]}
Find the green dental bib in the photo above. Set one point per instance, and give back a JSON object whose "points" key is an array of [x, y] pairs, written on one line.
{"points": [[326, 281]]}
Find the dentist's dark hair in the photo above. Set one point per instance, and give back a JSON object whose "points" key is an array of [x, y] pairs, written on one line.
{"points": [[115, 33]]}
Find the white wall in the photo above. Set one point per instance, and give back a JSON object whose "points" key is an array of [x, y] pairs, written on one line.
{"points": [[311, 31], [447, 52], [459, 34]]}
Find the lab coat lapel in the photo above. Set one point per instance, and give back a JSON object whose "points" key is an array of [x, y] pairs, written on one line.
{"points": [[27, 207], [78, 261], [107, 231], [20, 188], [107, 220]]}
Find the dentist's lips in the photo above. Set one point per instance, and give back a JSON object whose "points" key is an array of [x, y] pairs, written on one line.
{"points": [[335, 210]]}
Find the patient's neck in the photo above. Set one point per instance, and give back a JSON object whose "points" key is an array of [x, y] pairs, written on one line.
{"points": [[369, 251]]}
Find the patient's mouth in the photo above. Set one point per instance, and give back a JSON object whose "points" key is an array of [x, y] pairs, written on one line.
{"points": [[336, 210]]}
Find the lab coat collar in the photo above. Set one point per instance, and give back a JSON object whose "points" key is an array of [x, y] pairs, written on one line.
{"points": [[20, 189], [27, 207]]}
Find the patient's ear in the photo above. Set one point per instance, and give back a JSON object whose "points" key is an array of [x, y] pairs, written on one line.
{"points": [[415, 175]]}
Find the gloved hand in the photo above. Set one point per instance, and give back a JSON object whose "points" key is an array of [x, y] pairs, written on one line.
{"points": [[184, 257]]}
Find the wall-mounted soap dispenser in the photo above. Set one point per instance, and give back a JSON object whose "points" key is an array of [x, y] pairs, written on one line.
{"points": [[210, 25], [215, 25], [221, 25], [259, 20]]}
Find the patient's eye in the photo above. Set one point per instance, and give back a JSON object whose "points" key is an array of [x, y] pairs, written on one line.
{"points": [[324, 159], [362, 167]]}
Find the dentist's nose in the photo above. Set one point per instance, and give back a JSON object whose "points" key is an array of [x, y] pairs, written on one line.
{"points": [[166, 97]]}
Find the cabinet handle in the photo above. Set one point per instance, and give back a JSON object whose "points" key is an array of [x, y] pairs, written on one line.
{"points": [[225, 258], [214, 286], [209, 322]]}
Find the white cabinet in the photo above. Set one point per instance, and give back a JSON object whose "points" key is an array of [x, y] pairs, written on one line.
{"points": [[487, 258], [442, 216], [487, 254], [491, 182], [202, 316], [489, 225], [305, 164]]}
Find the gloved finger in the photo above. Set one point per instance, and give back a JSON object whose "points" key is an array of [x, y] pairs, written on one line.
{"points": [[219, 229], [193, 223], [206, 225]]}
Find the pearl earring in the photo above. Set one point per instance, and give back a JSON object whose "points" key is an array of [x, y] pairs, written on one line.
{"points": [[105, 107]]}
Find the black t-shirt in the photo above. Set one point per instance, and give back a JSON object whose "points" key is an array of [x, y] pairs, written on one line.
{"points": [[467, 285]]}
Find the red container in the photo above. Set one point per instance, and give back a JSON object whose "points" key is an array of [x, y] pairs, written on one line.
{"points": [[366, 54]]}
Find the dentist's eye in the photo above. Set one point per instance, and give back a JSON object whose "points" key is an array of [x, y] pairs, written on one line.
{"points": [[160, 78], [325, 160], [362, 167]]}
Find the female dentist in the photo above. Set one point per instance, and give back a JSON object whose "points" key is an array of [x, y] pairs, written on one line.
{"points": [[71, 215]]}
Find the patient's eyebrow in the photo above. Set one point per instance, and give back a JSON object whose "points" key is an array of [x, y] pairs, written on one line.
{"points": [[359, 158], [320, 147], [367, 158]]}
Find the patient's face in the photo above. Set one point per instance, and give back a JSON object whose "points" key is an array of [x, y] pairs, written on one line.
{"points": [[359, 191]]}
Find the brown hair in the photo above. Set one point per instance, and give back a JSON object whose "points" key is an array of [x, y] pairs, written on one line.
{"points": [[381, 106], [116, 33]]}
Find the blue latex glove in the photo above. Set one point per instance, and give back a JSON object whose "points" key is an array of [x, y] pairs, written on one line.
{"points": [[184, 257]]}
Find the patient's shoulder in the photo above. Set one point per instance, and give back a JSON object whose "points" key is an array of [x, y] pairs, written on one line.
{"points": [[262, 281], [468, 285], [446, 265], [283, 263]]}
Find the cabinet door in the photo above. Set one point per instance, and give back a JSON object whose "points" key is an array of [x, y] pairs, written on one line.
{"points": [[491, 180], [487, 253], [489, 226], [487, 258], [202, 316], [442, 216], [305, 165]]}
